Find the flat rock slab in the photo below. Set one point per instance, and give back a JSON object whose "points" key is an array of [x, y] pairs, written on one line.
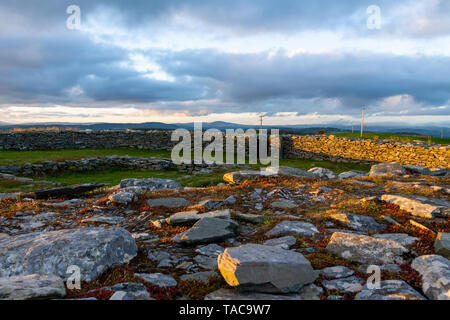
{"points": [[207, 230], [435, 272], [32, 287], [352, 174], [322, 173], [210, 250], [387, 169], [365, 249], [128, 291], [93, 250], [442, 244], [289, 171], [202, 277], [336, 272], [68, 191], [168, 202], [190, 217], [293, 228], [283, 242], [153, 184], [159, 279], [402, 238], [310, 292], [390, 290], [420, 206], [358, 222], [255, 267], [247, 217], [349, 284], [284, 204], [242, 176]]}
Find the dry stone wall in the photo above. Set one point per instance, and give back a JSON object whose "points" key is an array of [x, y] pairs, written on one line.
{"points": [[364, 150], [306, 147]]}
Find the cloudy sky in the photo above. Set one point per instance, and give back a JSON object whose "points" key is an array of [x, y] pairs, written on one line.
{"points": [[298, 62]]}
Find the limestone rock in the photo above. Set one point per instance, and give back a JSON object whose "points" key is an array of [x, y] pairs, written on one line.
{"points": [[392, 168], [247, 217], [159, 279], [402, 238], [309, 292], [351, 174], [420, 206], [322, 173], [199, 276], [153, 184], [289, 171], [208, 230], [168, 202], [284, 204], [442, 244], [283, 242], [241, 176], [390, 290], [365, 249], [129, 291], [358, 222], [190, 217], [30, 287], [265, 268], [349, 284], [435, 272], [292, 228], [93, 250], [336, 272]]}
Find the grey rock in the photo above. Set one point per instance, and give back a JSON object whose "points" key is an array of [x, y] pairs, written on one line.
{"points": [[390, 290], [153, 184], [93, 250], [293, 228], [284, 204], [435, 272], [105, 219], [350, 284], [159, 279], [322, 173], [242, 176], [442, 244], [206, 262], [387, 169], [247, 217], [351, 174], [207, 230], [168, 202], [420, 206], [129, 291], [309, 292], [210, 250], [198, 276], [402, 238], [365, 249], [289, 171], [265, 269], [31, 287], [283, 242], [190, 217], [358, 222], [417, 169], [336, 272]]}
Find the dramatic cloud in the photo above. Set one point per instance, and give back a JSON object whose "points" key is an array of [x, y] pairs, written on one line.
{"points": [[198, 58]]}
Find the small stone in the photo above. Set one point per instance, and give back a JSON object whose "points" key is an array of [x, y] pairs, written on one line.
{"points": [[350, 284], [168, 202], [210, 250], [284, 204], [199, 276], [283, 242], [389, 290], [402, 238], [442, 244], [159, 279], [247, 217], [207, 230], [336, 272], [358, 222], [293, 228], [322, 173], [387, 169]]}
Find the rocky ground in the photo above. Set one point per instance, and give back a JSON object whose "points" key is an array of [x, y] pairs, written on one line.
{"points": [[278, 234]]}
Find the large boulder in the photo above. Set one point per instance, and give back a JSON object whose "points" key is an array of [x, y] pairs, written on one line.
{"points": [[207, 230], [365, 249], [392, 168], [442, 244], [420, 206], [242, 176], [255, 267], [32, 287], [435, 272], [293, 228], [390, 290], [322, 173], [93, 250]]}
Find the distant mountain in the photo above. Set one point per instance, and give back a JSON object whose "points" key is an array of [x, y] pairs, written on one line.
{"points": [[434, 131]]}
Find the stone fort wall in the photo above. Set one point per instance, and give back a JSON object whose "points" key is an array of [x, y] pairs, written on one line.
{"points": [[292, 146]]}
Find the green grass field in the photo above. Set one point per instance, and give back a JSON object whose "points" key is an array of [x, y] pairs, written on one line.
{"points": [[114, 176], [394, 137]]}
